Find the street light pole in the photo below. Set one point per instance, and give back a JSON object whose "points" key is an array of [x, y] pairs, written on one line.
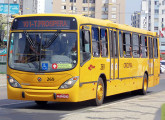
{"points": [[72, 6], [88, 8], [8, 21]]}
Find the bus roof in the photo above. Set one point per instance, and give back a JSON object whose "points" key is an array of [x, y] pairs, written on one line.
{"points": [[87, 20]]}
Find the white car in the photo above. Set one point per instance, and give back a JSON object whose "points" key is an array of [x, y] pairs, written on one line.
{"points": [[162, 66]]}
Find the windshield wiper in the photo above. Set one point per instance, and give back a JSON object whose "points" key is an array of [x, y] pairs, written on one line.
{"points": [[32, 44], [29, 39], [52, 39]]}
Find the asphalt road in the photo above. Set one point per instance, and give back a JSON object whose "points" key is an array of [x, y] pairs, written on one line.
{"points": [[27, 110]]}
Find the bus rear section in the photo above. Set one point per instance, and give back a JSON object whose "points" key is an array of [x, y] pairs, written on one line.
{"points": [[43, 64]]}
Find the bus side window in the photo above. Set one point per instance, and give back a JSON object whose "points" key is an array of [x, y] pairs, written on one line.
{"points": [[95, 42], [121, 44], [104, 43], [85, 46], [150, 47], [111, 43], [136, 50], [127, 47], [143, 45], [155, 48], [115, 44]]}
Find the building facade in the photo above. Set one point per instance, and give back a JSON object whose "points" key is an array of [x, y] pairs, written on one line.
{"points": [[135, 18], [152, 18], [29, 6], [148, 17], [11, 1], [162, 25], [37, 6], [102, 9]]}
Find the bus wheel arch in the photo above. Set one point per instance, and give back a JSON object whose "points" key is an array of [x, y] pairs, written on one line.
{"points": [[146, 73]]}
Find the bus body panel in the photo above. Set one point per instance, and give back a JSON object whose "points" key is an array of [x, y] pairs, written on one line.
{"points": [[121, 74], [44, 95]]}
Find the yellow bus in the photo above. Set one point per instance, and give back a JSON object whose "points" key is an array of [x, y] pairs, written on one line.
{"points": [[72, 58]]}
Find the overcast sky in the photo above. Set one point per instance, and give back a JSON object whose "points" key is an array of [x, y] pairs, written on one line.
{"points": [[131, 6]]}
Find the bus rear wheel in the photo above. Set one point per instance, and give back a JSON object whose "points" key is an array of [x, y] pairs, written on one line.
{"points": [[41, 103], [143, 91], [100, 92]]}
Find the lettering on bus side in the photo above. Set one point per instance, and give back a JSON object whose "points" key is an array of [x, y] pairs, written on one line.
{"points": [[127, 65], [50, 79], [102, 67]]}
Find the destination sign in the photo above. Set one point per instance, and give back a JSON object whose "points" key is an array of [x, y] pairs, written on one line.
{"points": [[65, 24], [42, 23]]}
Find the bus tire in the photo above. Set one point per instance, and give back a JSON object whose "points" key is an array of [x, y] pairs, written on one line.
{"points": [[100, 92], [143, 91], [41, 103]]}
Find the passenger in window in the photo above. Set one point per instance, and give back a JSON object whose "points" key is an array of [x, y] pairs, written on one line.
{"points": [[104, 50], [21, 49], [74, 48]]}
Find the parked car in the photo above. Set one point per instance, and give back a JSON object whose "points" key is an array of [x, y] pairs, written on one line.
{"points": [[162, 66]]}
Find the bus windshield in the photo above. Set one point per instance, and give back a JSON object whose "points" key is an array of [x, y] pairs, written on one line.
{"points": [[43, 52]]}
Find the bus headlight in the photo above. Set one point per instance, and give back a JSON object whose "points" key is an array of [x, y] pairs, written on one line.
{"points": [[69, 83], [13, 82]]}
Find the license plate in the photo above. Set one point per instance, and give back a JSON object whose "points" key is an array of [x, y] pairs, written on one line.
{"points": [[64, 96]]}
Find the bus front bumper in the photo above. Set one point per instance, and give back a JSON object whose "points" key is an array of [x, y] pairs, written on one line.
{"points": [[62, 95]]}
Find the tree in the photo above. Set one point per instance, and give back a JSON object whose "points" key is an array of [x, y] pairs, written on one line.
{"points": [[3, 25]]}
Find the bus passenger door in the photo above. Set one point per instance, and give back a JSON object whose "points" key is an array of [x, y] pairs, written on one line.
{"points": [[85, 56], [113, 54], [151, 60], [156, 62], [151, 63]]}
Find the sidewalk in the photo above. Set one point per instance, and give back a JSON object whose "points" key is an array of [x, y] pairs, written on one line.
{"points": [[3, 80], [142, 108]]}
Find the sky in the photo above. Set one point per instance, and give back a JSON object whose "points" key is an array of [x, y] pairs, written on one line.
{"points": [[131, 6]]}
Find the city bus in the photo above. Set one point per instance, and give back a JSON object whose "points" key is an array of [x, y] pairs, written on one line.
{"points": [[73, 58]]}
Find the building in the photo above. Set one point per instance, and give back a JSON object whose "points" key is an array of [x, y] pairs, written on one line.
{"points": [[11, 1], [37, 6], [44, 6], [135, 18], [148, 17], [140, 18], [29, 6], [152, 18], [162, 25], [102, 9]]}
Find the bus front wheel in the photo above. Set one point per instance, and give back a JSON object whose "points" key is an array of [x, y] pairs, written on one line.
{"points": [[100, 92], [41, 103]]}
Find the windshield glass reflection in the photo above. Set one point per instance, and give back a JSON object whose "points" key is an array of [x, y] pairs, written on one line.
{"points": [[43, 51]]}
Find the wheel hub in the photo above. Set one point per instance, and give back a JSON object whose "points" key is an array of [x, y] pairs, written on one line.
{"points": [[100, 91]]}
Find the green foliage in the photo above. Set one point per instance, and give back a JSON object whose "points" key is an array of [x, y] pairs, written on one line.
{"points": [[3, 31], [163, 112]]}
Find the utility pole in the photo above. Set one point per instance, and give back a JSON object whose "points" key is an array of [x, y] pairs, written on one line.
{"points": [[72, 6], [8, 21], [88, 8]]}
